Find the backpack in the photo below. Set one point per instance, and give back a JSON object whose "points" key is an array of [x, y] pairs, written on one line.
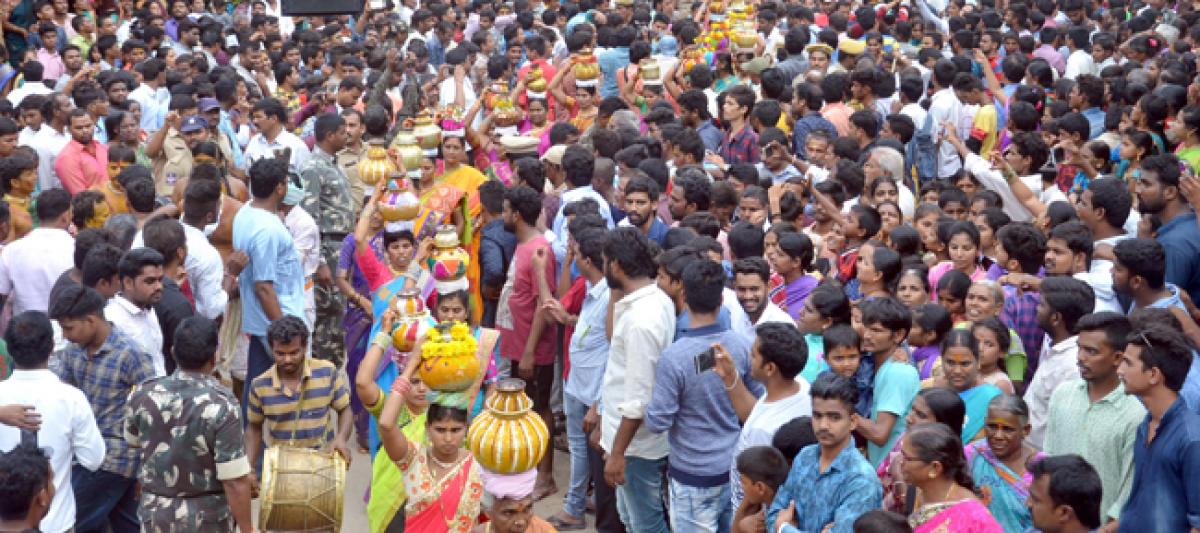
{"points": [[921, 154]]}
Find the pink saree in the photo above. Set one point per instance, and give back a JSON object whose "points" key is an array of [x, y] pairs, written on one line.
{"points": [[963, 516]]}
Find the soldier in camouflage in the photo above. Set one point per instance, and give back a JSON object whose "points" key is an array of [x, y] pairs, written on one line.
{"points": [[328, 199], [194, 473]]}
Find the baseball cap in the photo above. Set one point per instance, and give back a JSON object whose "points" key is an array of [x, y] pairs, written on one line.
{"points": [[193, 123], [207, 104]]}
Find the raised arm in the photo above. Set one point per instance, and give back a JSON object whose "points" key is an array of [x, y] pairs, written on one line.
{"points": [[393, 439]]}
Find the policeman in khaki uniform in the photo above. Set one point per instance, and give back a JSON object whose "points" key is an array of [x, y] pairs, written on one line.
{"points": [[327, 198], [195, 475]]}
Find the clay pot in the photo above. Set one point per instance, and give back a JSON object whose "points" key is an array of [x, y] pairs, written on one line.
{"points": [[508, 437], [448, 358]]}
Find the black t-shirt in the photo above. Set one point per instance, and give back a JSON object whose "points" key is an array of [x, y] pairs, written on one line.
{"points": [[171, 309]]}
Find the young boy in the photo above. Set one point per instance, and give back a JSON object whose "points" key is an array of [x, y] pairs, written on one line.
{"points": [[859, 226], [810, 500], [886, 323], [763, 469]]}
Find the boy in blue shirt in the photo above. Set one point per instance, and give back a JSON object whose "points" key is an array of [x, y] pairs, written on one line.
{"points": [[886, 323]]}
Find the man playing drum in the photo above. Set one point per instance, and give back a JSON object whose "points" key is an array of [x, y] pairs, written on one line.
{"points": [[194, 473], [297, 397]]}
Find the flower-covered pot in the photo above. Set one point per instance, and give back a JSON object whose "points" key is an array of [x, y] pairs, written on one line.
{"points": [[449, 362], [377, 167], [508, 437]]}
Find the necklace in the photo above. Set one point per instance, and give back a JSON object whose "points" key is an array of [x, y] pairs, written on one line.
{"points": [[433, 459]]}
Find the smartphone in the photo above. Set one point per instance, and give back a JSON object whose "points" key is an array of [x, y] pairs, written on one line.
{"points": [[706, 360]]}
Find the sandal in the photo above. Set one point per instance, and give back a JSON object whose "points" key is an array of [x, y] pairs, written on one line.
{"points": [[563, 525]]}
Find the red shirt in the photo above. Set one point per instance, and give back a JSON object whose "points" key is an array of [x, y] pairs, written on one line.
{"points": [[82, 167], [548, 72], [572, 303], [523, 301]]}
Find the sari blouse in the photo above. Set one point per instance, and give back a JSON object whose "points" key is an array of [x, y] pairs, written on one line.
{"points": [[428, 495], [962, 516], [1004, 491]]}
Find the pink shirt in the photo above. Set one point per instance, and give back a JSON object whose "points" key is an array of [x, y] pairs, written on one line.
{"points": [[52, 65], [522, 302], [82, 167]]}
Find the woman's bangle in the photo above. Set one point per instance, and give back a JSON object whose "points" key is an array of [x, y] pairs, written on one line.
{"points": [[382, 340]]}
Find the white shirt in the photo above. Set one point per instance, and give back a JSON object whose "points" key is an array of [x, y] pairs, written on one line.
{"points": [[946, 107], [205, 271], [1080, 62], [259, 147], [765, 419], [48, 143], [643, 326], [1057, 365], [154, 104], [30, 87], [141, 325], [993, 180], [307, 238], [916, 113], [30, 265], [772, 313], [68, 431], [446, 96], [25, 135]]}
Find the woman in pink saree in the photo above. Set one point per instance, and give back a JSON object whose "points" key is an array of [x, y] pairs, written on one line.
{"points": [[946, 501], [441, 479]]}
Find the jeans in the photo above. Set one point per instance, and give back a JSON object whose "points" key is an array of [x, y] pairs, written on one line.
{"points": [[700, 509], [576, 498], [607, 519], [639, 500], [104, 499], [258, 360]]}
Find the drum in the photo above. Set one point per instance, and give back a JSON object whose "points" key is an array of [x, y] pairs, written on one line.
{"points": [[301, 490]]}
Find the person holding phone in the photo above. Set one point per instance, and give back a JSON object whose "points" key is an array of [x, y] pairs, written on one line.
{"points": [[689, 403]]}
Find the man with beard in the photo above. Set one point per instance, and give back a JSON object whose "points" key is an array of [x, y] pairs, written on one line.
{"points": [[527, 338], [1093, 417], [692, 193], [829, 482], [643, 325], [72, 58], [1159, 195], [641, 201], [750, 278], [132, 309], [83, 162]]}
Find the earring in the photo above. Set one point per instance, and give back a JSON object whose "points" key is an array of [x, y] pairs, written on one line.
{"points": [[932, 475]]}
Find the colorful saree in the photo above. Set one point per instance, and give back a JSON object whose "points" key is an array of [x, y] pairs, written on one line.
{"points": [[954, 517], [446, 505], [456, 190], [1004, 491], [977, 399], [388, 495], [357, 324]]}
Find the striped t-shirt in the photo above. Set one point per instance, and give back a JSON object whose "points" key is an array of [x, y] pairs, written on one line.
{"points": [[325, 391]]}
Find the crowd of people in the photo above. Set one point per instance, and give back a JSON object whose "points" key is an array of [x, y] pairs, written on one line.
{"points": [[779, 266]]}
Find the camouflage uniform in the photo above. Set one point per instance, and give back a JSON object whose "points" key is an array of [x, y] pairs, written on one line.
{"points": [[328, 199], [190, 436]]}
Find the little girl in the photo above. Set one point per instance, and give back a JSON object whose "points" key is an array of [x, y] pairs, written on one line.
{"points": [[993, 339], [1135, 146], [952, 293], [930, 324]]}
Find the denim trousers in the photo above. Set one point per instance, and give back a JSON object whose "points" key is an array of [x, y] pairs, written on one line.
{"points": [[104, 501], [639, 500], [701, 509], [575, 500]]}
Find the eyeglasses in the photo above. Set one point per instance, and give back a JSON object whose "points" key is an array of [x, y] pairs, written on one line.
{"points": [[1149, 344]]}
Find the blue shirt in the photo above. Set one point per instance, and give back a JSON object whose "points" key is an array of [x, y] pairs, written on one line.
{"points": [[846, 490], [610, 62], [896, 384], [1095, 118], [589, 346], [273, 258], [1191, 385], [1181, 242], [811, 122], [695, 409], [711, 136], [1165, 497]]}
